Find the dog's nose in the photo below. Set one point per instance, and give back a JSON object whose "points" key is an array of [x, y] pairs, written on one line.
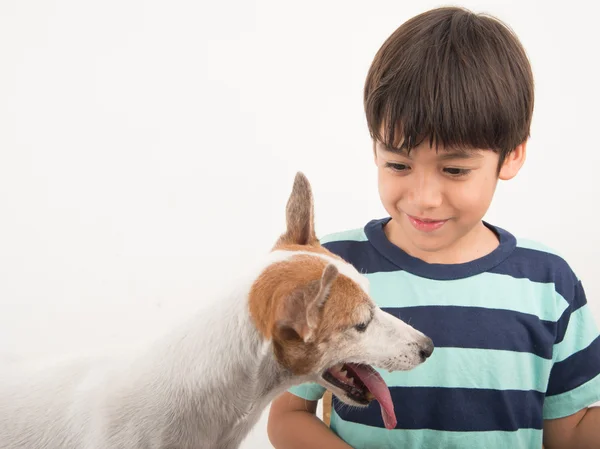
{"points": [[426, 349]]}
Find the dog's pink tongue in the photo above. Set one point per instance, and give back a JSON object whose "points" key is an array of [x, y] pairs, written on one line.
{"points": [[376, 385]]}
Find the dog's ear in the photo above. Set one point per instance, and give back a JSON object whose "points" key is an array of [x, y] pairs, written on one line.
{"points": [[300, 313], [300, 215], [315, 305]]}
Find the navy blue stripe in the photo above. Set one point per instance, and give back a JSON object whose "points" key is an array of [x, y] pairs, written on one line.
{"points": [[362, 255], [579, 300], [539, 266], [475, 327], [454, 409], [575, 370]]}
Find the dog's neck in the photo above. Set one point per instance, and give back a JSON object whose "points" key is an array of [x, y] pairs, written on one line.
{"points": [[224, 347], [221, 361]]}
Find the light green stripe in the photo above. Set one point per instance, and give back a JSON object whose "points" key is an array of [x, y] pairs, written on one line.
{"points": [[581, 332], [489, 290], [565, 404], [360, 436], [308, 391], [476, 368], [355, 235], [538, 246]]}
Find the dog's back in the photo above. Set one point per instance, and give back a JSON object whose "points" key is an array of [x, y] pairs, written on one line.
{"points": [[44, 405]]}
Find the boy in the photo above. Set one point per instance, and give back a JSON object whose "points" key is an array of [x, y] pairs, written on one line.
{"points": [[449, 100]]}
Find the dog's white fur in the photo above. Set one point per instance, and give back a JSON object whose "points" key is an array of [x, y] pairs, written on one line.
{"points": [[203, 386]]}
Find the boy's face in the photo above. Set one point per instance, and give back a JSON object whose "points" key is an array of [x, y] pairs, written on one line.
{"points": [[437, 199]]}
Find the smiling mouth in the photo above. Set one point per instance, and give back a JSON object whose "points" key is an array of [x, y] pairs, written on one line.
{"points": [[426, 224], [362, 384]]}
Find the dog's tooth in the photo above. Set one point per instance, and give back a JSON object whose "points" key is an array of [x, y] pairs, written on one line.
{"points": [[369, 396], [351, 380]]}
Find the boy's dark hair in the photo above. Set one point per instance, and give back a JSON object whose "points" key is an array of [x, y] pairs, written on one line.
{"points": [[459, 79]]}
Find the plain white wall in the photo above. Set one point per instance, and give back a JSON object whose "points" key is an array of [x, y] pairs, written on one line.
{"points": [[147, 149]]}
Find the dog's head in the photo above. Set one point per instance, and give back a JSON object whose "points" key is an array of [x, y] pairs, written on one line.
{"points": [[316, 309]]}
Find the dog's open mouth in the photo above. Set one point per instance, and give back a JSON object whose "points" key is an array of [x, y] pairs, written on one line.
{"points": [[362, 384]]}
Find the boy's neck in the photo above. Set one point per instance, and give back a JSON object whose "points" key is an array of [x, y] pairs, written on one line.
{"points": [[477, 243]]}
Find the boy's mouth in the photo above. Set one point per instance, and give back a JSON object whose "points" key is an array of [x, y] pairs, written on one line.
{"points": [[425, 224]]}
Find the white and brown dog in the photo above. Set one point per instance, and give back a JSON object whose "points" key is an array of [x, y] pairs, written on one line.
{"points": [[300, 315]]}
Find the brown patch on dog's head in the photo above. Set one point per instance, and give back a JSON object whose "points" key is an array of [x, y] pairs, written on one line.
{"points": [[302, 302]]}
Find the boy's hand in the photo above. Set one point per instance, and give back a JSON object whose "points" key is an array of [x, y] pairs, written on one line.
{"points": [[578, 431], [293, 424]]}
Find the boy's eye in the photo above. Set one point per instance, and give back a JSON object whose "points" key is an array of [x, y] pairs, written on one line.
{"points": [[457, 171], [396, 166]]}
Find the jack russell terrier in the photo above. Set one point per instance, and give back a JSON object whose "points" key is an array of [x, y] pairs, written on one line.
{"points": [[301, 314]]}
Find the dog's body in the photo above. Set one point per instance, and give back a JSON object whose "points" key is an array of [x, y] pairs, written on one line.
{"points": [[206, 383], [202, 387]]}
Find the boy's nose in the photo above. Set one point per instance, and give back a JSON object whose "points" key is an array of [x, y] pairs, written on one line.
{"points": [[426, 194]]}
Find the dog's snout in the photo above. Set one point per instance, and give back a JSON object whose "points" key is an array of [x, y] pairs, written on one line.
{"points": [[426, 349]]}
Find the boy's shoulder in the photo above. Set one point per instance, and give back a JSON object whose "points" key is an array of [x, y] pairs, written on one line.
{"points": [[357, 234], [350, 235], [537, 245], [547, 256]]}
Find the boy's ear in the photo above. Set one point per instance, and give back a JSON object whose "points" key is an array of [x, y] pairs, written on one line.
{"points": [[300, 215], [513, 162], [375, 158]]}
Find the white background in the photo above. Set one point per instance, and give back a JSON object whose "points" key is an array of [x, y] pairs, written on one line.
{"points": [[147, 149]]}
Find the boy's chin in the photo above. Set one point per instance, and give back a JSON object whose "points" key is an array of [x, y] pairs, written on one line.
{"points": [[431, 242], [441, 241]]}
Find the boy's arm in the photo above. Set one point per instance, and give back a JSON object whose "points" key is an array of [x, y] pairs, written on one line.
{"points": [[578, 431], [569, 420], [293, 424]]}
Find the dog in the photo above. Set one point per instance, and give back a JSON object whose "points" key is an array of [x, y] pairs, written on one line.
{"points": [[301, 314]]}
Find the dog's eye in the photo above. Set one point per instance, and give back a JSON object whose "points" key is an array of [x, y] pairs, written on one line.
{"points": [[361, 327]]}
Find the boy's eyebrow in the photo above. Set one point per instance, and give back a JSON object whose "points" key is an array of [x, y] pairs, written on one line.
{"points": [[392, 149], [459, 154], [443, 155]]}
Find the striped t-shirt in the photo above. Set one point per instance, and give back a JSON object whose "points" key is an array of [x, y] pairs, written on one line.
{"points": [[515, 343]]}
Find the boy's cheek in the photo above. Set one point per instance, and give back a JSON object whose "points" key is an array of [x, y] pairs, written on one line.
{"points": [[389, 192]]}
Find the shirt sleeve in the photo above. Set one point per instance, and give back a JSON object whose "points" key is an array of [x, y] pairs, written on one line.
{"points": [[308, 391], [574, 382]]}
